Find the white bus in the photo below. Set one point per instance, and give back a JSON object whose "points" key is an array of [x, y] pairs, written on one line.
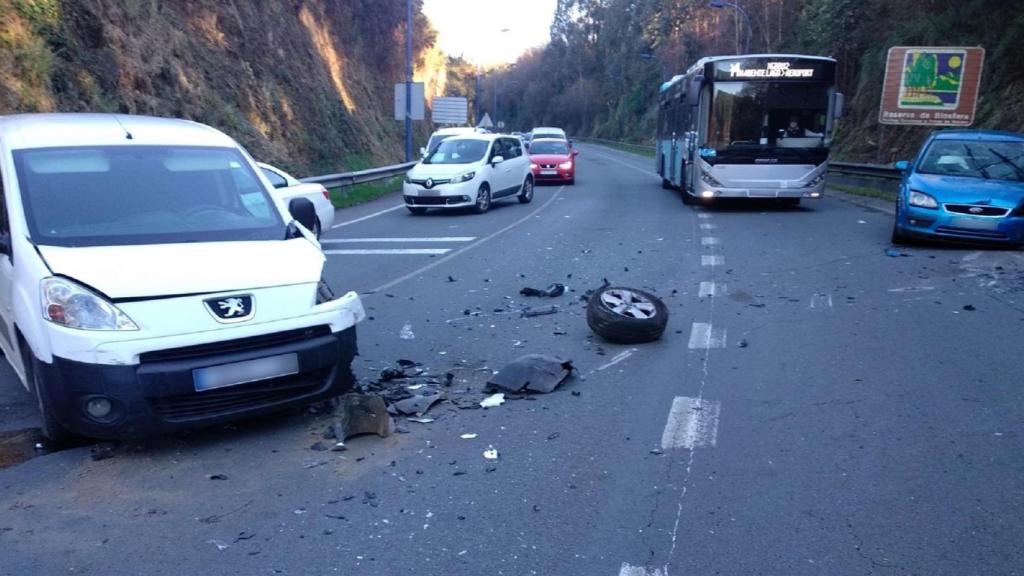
{"points": [[748, 126]]}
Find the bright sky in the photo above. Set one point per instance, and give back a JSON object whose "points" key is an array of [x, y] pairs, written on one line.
{"points": [[472, 28]]}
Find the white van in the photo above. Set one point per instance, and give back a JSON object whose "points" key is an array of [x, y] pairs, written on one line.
{"points": [[150, 282]]}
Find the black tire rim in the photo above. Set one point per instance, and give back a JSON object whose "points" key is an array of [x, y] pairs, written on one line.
{"points": [[628, 304], [483, 199]]}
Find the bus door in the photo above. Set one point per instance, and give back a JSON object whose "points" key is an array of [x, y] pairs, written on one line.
{"points": [[698, 136]]}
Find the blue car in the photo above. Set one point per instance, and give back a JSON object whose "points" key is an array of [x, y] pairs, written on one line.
{"points": [[964, 185]]}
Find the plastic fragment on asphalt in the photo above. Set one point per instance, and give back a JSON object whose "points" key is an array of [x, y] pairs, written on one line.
{"points": [[743, 343], [493, 400], [220, 545], [533, 372], [532, 312], [406, 333], [468, 436], [216, 477], [416, 405], [421, 420], [491, 453], [552, 291], [894, 253], [362, 414], [970, 308]]}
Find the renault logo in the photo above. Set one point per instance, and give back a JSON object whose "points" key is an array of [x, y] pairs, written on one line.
{"points": [[234, 308], [429, 183], [976, 210]]}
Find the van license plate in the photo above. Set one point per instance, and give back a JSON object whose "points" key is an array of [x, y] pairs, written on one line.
{"points": [[244, 372]]}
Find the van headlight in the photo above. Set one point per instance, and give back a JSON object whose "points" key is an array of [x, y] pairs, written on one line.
{"points": [[73, 306], [408, 180], [464, 177]]}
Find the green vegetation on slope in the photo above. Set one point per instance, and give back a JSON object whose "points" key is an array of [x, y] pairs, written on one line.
{"points": [[600, 74], [305, 85]]}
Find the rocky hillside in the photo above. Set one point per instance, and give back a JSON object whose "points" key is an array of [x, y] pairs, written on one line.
{"points": [[306, 84]]}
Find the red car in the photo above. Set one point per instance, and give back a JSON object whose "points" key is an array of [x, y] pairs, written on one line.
{"points": [[552, 161]]}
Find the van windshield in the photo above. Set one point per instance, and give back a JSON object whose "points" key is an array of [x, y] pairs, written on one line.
{"points": [[121, 195]]}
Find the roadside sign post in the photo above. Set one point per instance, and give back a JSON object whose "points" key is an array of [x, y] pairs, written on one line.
{"points": [[931, 86], [409, 109], [408, 81]]}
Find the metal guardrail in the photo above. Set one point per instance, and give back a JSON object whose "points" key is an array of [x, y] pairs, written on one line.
{"points": [[359, 176], [880, 171], [614, 143]]}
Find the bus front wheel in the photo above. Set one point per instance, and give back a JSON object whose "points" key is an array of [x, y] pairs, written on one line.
{"points": [[665, 184]]}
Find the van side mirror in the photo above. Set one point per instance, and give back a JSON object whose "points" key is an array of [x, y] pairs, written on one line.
{"points": [[303, 211], [837, 105], [423, 151], [497, 160], [575, 152], [902, 165]]}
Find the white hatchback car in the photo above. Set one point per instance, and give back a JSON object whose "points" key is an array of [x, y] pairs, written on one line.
{"points": [[464, 171], [150, 282], [287, 187]]}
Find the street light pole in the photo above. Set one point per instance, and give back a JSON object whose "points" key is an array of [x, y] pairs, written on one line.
{"points": [[408, 80], [739, 10]]}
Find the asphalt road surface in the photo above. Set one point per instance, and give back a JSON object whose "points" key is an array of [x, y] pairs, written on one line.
{"points": [[815, 406]]}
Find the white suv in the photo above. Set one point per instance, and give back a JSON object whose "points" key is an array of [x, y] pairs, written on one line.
{"points": [[464, 171], [149, 281]]}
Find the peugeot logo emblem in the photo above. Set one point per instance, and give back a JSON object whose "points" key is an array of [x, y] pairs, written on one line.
{"points": [[429, 183], [976, 210], [234, 308]]}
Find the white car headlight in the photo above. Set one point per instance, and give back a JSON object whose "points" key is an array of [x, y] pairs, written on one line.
{"points": [[922, 200], [69, 304], [565, 165], [464, 177]]}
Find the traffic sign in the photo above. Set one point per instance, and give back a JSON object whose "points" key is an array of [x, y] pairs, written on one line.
{"points": [[485, 122], [931, 86], [449, 110], [417, 101]]}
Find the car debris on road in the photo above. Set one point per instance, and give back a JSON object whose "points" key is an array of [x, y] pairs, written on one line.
{"points": [[533, 372]]}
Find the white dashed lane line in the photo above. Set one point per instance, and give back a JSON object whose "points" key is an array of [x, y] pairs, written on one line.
{"points": [[712, 260]]}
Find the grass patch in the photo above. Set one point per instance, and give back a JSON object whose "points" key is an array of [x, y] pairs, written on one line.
{"points": [[864, 191], [346, 196]]}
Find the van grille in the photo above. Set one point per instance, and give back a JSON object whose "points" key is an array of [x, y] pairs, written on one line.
{"points": [[233, 346], [213, 403]]}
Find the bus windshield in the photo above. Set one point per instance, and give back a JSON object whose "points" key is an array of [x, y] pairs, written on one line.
{"points": [[774, 114]]}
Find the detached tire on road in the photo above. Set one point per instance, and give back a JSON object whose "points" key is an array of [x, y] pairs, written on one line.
{"points": [[626, 315]]}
